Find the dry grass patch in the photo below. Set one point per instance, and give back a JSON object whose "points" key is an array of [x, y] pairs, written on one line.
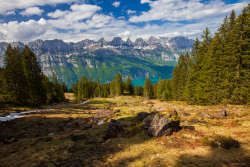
{"points": [[134, 147]]}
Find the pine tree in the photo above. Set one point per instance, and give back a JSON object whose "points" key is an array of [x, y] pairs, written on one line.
{"points": [[34, 76], [64, 86], [175, 82], [148, 89], [160, 89], [168, 91], [240, 52], [16, 82], [129, 86], [200, 62], [49, 89], [118, 84], [193, 73]]}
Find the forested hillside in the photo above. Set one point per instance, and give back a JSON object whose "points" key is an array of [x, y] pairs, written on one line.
{"points": [[218, 69], [22, 81]]}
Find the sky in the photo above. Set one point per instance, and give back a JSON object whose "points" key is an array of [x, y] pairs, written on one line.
{"points": [[76, 20]]}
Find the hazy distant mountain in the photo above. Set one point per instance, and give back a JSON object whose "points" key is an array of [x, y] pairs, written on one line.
{"points": [[153, 57]]}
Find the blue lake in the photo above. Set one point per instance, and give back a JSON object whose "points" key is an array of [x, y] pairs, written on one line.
{"points": [[153, 80]]}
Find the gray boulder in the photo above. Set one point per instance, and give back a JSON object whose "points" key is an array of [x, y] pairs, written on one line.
{"points": [[206, 115], [142, 115], [156, 125], [160, 125], [115, 127], [223, 113], [147, 121]]}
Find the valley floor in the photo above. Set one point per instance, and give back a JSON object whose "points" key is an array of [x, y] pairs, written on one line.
{"points": [[70, 135]]}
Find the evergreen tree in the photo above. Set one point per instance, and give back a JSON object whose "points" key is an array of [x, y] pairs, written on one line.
{"points": [[64, 87], [168, 91], [33, 72], [148, 89], [129, 86], [160, 89], [112, 88], [16, 82], [118, 84]]}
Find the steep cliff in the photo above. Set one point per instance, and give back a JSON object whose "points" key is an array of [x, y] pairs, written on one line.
{"points": [[103, 59]]}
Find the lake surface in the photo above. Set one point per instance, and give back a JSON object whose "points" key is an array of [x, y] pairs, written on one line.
{"points": [[153, 80]]}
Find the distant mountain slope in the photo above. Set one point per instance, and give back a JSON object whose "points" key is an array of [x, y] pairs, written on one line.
{"points": [[103, 59]]}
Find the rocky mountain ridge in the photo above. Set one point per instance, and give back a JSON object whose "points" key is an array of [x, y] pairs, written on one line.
{"points": [[89, 57]]}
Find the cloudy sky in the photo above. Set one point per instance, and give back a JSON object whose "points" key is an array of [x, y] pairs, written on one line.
{"points": [[75, 20]]}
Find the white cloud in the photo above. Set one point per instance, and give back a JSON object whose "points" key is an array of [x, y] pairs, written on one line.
{"points": [[126, 33], [130, 11], [145, 1], [24, 31], [7, 5], [58, 13], [32, 11], [172, 10], [96, 25], [116, 4], [10, 13]]}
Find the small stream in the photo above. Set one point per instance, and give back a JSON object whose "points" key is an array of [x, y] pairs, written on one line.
{"points": [[12, 116]]}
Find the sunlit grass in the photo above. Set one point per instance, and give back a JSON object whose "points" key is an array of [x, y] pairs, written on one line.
{"points": [[134, 148]]}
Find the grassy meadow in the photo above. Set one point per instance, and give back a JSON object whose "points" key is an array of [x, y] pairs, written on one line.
{"points": [[70, 136]]}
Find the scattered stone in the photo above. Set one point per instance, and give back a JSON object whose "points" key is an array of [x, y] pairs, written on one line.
{"points": [[206, 115], [115, 127], [117, 110], [142, 115], [223, 113], [225, 142]]}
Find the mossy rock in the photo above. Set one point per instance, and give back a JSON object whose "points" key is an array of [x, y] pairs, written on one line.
{"points": [[219, 140], [136, 129]]}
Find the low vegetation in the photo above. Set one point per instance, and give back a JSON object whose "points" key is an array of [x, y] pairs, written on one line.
{"points": [[70, 136]]}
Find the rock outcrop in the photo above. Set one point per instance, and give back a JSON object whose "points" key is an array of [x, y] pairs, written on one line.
{"points": [[162, 123], [223, 113], [115, 127]]}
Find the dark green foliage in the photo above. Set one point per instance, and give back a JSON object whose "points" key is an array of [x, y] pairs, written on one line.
{"points": [[118, 84], [16, 82], [128, 85], [32, 70], [23, 82], [148, 89], [64, 87], [218, 69], [138, 90]]}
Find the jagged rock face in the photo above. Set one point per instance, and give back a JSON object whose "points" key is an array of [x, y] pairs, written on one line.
{"points": [[181, 43], [140, 42], [153, 40], [129, 42], [117, 41], [71, 60], [55, 47]]}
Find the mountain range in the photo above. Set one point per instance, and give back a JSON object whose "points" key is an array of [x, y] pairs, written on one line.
{"points": [[102, 59]]}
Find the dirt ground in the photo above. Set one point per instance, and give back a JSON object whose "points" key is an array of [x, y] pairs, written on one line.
{"points": [[70, 136]]}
